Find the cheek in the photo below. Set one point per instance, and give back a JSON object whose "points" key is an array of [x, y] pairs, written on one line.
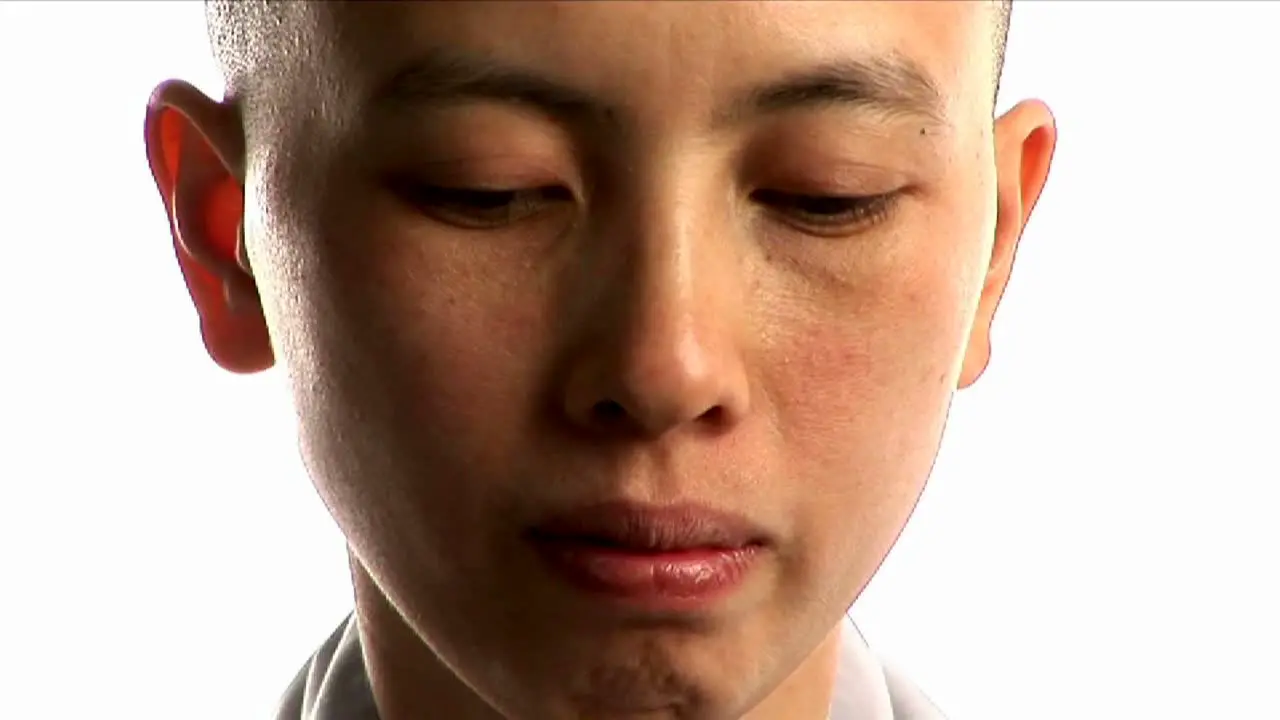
{"points": [[875, 373], [441, 353], [860, 393], [412, 364]]}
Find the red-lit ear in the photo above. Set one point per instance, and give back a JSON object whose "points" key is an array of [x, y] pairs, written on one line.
{"points": [[1024, 141], [193, 144]]}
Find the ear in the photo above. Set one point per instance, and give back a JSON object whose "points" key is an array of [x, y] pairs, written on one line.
{"points": [[1025, 138], [195, 147]]}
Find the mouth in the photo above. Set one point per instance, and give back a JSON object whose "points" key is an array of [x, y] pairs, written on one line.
{"points": [[659, 559], [631, 527]]}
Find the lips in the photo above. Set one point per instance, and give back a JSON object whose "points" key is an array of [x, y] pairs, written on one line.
{"points": [[651, 560], [644, 529]]}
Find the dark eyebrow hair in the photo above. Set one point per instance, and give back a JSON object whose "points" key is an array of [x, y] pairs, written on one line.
{"points": [[441, 78], [890, 84]]}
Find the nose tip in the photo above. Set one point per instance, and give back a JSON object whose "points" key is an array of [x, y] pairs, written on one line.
{"points": [[651, 419], [651, 393]]}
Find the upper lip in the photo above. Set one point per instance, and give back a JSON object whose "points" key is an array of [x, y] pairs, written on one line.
{"points": [[650, 528]]}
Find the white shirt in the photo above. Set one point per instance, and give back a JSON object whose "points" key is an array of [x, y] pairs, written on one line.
{"points": [[334, 686]]}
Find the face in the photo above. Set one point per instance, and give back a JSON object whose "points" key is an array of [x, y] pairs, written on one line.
{"points": [[532, 261]]}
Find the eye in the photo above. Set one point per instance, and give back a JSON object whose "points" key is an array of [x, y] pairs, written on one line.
{"points": [[828, 212], [482, 207]]}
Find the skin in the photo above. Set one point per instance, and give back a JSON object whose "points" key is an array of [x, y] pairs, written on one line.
{"points": [[670, 321]]}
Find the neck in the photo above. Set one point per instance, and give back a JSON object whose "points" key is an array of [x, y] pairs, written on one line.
{"points": [[409, 681]]}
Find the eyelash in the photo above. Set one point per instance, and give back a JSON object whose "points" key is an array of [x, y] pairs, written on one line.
{"points": [[833, 213], [482, 208]]}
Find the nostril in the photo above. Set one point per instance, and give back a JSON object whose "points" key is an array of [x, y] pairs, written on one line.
{"points": [[608, 411], [714, 415]]}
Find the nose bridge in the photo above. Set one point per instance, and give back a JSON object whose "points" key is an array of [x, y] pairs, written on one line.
{"points": [[666, 352], [668, 291]]}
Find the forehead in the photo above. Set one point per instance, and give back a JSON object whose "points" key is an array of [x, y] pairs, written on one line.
{"points": [[663, 58]]}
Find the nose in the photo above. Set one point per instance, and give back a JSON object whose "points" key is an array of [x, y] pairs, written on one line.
{"points": [[664, 348]]}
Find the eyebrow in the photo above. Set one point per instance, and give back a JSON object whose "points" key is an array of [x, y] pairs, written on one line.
{"points": [[890, 84]]}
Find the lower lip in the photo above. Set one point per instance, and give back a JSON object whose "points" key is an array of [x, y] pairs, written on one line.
{"points": [[672, 581]]}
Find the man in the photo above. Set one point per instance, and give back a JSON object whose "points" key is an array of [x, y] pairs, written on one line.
{"points": [[622, 335]]}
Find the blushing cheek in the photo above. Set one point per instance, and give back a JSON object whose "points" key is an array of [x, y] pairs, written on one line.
{"points": [[863, 403], [856, 388]]}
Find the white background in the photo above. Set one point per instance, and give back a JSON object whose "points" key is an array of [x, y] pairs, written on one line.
{"points": [[1098, 541]]}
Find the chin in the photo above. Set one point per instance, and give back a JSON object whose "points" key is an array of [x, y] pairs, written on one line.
{"points": [[651, 671]]}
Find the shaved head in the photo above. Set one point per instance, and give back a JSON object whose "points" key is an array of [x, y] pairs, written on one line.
{"points": [[522, 261], [249, 38]]}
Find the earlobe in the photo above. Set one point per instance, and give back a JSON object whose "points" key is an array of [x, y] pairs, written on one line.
{"points": [[1025, 138], [192, 145]]}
